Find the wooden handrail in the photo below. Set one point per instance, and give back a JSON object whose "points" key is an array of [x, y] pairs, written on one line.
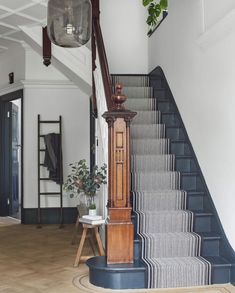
{"points": [[119, 228], [98, 42]]}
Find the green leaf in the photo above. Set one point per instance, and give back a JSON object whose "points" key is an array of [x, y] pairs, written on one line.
{"points": [[158, 11], [164, 4], [150, 20], [147, 2]]}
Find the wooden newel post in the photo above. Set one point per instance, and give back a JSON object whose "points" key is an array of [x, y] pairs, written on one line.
{"points": [[119, 230]]}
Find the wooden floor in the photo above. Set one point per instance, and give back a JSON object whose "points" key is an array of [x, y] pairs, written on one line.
{"points": [[37, 260], [41, 260]]}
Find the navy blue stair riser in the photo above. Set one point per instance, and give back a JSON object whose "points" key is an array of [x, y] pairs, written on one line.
{"points": [[121, 276], [157, 82], [179, 148], [185, 164], [221, 275], [203, 222], [174, 133], [210, 247], [165, 106], [195, 202], [191, 182], [170, 119], [137, 249], [159, 93]]}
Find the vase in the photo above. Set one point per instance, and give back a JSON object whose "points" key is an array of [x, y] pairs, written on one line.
{"points": [[92, 212]]}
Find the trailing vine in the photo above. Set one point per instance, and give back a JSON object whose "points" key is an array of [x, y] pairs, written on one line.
{"points": [[155, 9]]}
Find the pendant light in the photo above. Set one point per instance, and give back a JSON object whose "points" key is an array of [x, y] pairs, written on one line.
{"points": [[69, 22]]}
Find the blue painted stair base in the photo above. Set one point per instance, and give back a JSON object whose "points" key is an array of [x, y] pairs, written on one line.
{"points": [[123, 276], [215, 246]]}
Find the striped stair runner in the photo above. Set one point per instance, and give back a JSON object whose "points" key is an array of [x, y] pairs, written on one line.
{"points": [[170, 249]]}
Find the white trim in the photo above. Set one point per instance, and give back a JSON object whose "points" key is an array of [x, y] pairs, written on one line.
{"points": [[39, 84], [11, 88], [49, 84], [218, 31]]}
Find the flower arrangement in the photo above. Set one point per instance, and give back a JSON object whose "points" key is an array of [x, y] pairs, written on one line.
{"points": [[81, 181]]}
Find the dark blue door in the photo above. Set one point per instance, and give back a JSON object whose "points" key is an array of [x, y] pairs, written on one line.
{"points": [[10, 160], [15, 161]]}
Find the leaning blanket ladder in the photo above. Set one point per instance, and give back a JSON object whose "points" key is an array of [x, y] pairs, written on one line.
{"points": [[41, 151]]}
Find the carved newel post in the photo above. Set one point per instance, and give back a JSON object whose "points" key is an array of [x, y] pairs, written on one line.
{"points": [[119, 230]]}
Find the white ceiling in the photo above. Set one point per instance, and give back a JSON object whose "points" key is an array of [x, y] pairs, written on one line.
{"points": [[14, 13]]}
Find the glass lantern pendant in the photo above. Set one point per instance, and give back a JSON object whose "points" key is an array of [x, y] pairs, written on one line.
{"points": [[69, 22]]}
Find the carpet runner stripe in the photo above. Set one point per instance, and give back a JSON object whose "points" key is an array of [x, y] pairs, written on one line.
{"points": [[152, 162], [147, 117], [138, 92]]}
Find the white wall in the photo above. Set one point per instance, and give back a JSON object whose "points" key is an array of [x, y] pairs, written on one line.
{"points": [[35, 70], [215, 10], [50, 102], [125, 35], [200, 71], [12, 60], [49, 93]]}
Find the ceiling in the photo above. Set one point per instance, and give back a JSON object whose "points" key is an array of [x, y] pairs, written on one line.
{"points": [[14, 13]]}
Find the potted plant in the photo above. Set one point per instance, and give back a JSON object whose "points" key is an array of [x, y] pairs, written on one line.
{"points": [[84, 183], [156, 9]]}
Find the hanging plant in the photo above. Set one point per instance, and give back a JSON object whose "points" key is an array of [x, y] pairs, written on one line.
{"points": [[155, 10]]}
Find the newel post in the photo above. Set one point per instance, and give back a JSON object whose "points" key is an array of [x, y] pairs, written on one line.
{"points": [[119, 230]]}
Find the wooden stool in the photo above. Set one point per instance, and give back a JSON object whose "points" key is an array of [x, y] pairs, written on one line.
{"points": [[83, 238], [82, 210]]}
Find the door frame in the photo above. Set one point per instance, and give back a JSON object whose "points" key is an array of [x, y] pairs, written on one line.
{"points": [[8, 98]]}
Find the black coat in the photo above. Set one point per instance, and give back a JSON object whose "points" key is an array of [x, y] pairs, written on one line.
{"points": [[53, 157]]}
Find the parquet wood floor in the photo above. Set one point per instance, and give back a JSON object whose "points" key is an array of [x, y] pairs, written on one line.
{"points": [[38, 260]]}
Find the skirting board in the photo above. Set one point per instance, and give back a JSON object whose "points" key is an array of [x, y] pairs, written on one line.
{"points": [[49, 216]]}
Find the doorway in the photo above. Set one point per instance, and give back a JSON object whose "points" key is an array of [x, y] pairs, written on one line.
{"points": [[11, 167]]}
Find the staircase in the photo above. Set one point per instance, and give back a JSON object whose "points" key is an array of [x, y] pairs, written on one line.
{"points": [[179, 240]]}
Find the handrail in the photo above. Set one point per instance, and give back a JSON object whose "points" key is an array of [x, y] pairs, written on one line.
{"points": [[115, 137], [98, 43]]}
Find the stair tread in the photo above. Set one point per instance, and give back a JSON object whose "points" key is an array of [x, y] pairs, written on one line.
{"points": [[189, 173], [148, 124], [196, 192], [218, 261], [183, 156], [100, 262], [178, 141], [202, 213], [159, 88], [165, 100], [154, 172], [143, 98], [172, 126], [209, 235], [168, 113], [138, 87], [146, 111]]}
